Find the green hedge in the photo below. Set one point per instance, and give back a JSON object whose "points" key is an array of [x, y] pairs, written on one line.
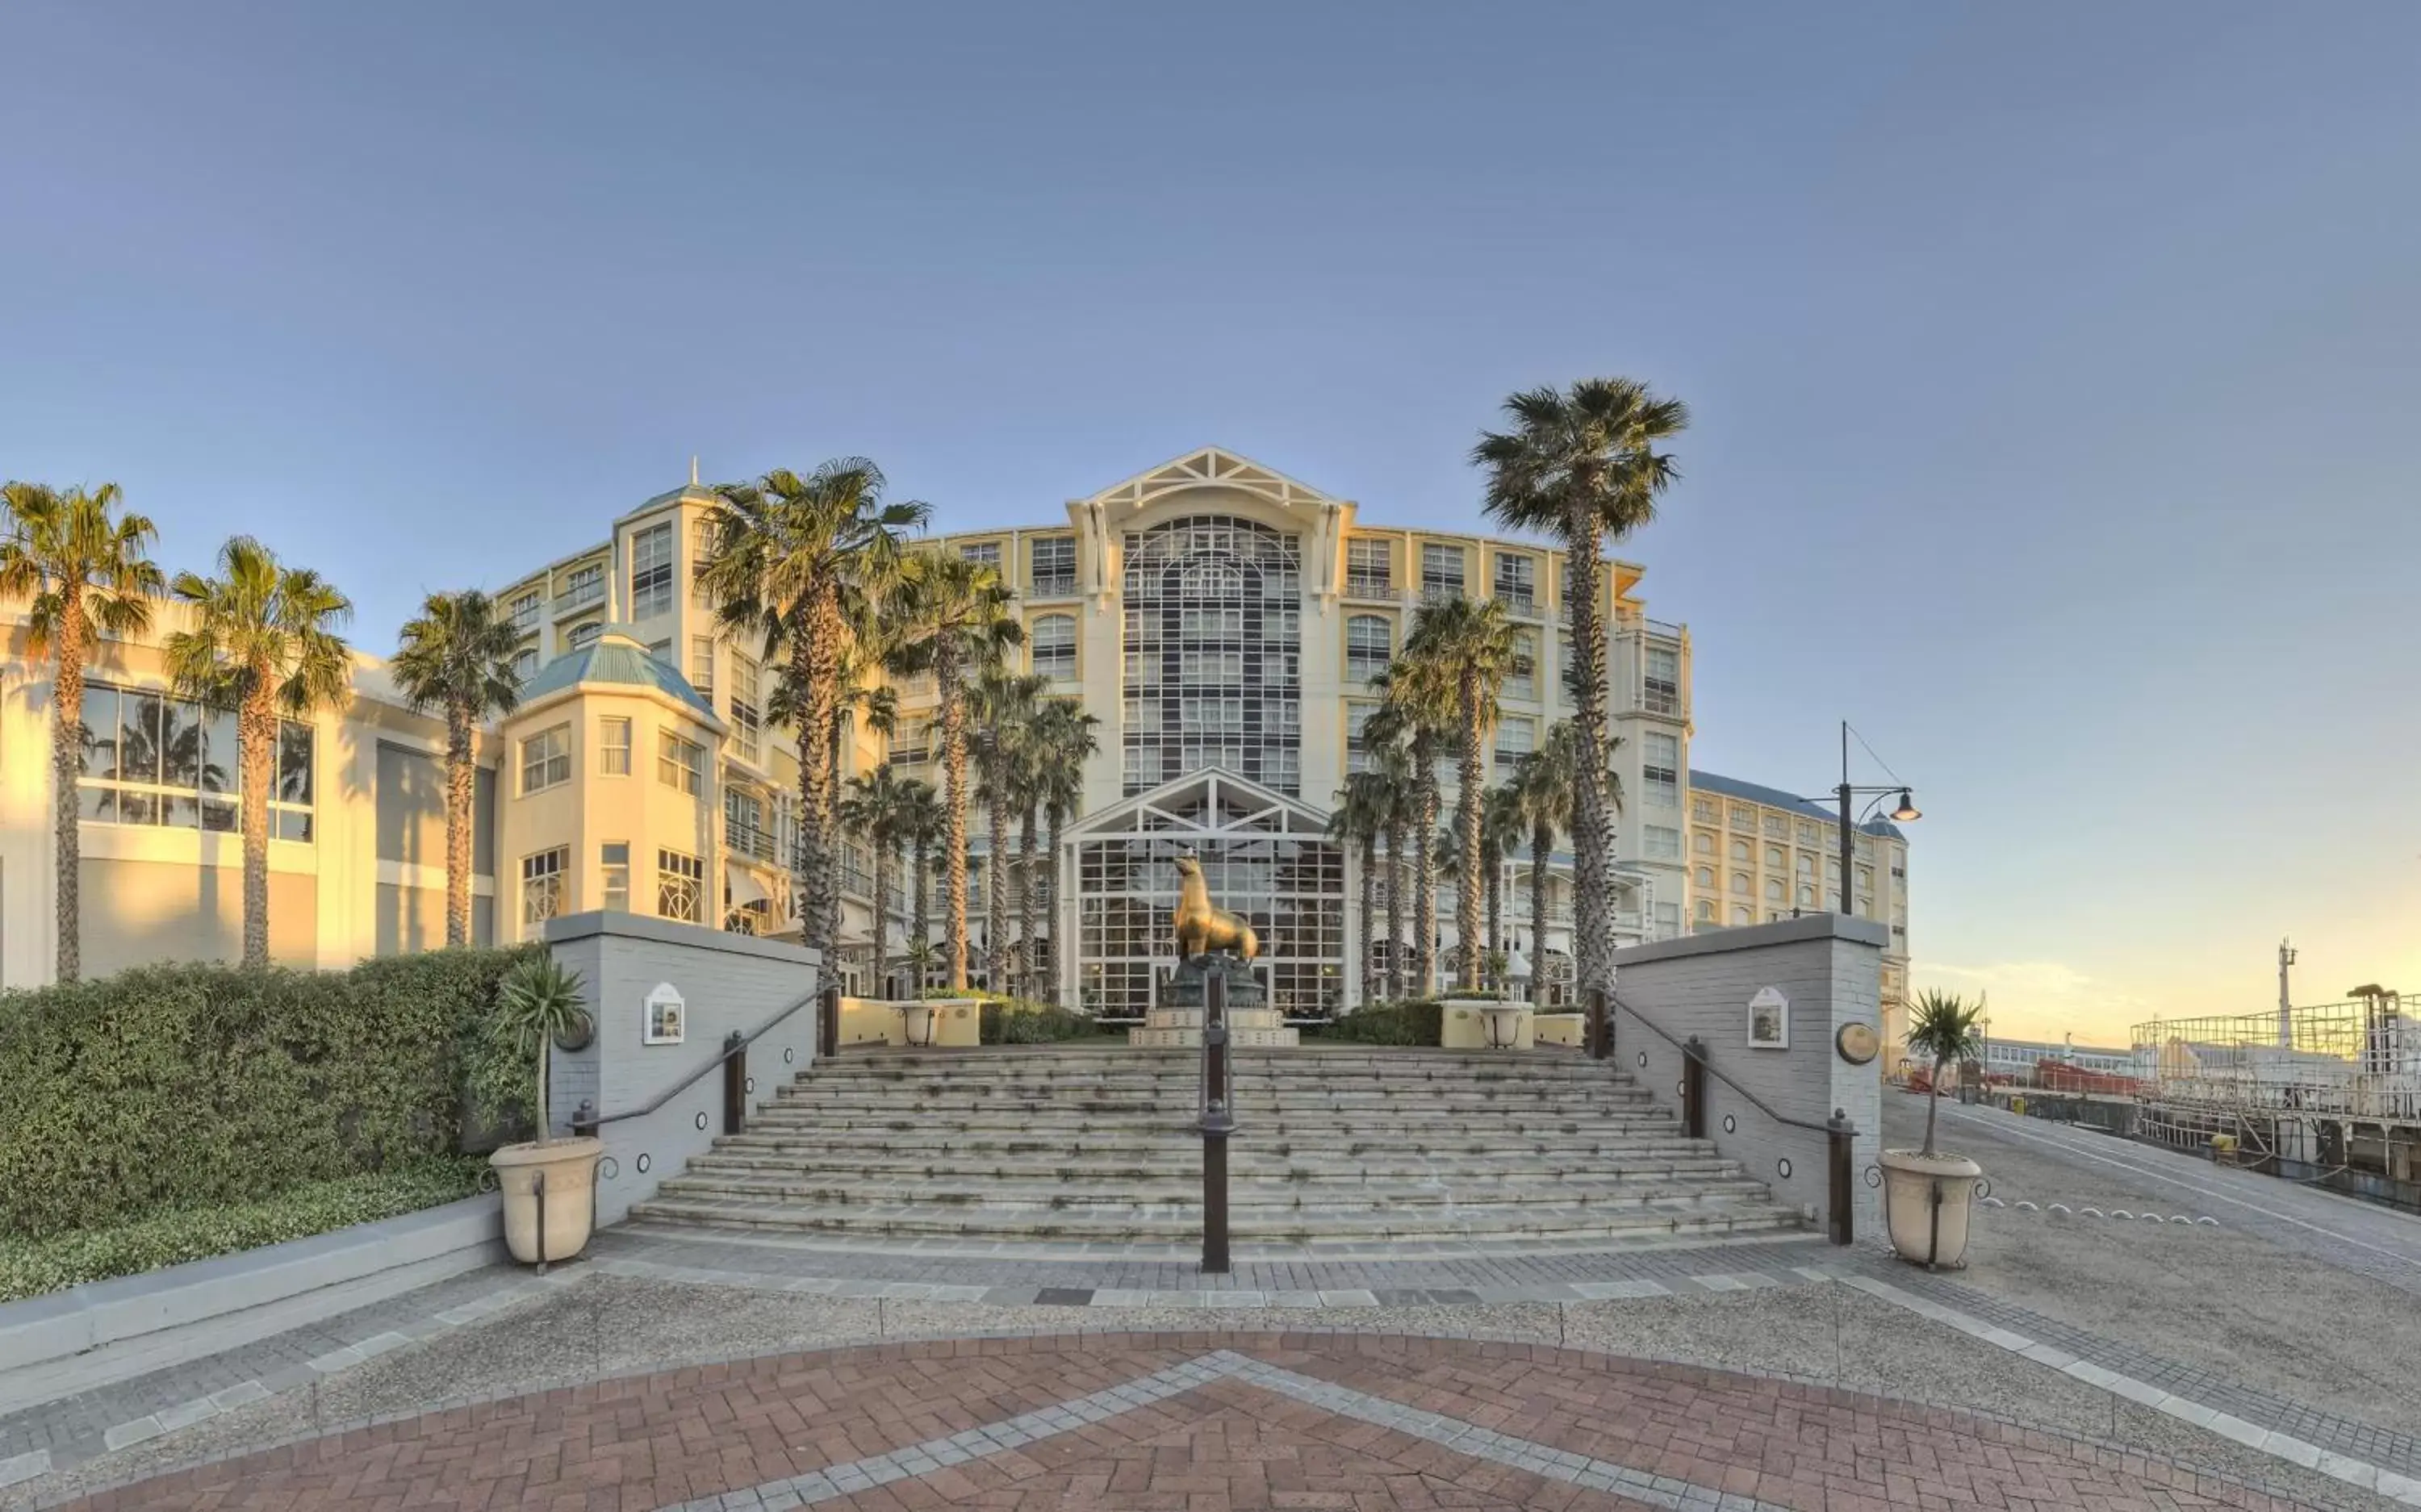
{"points": [[29, 1266], [1386, 1023], [188, 1085]]}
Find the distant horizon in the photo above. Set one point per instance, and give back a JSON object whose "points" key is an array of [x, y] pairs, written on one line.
{"points": [[2051, 371]]}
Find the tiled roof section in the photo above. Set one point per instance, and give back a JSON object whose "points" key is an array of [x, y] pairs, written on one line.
{"points": [[1775, 798], [614, 657]]}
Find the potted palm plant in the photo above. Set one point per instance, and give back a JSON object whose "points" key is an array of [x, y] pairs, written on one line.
{"points": [[549, 1184], [1926, 1192]]}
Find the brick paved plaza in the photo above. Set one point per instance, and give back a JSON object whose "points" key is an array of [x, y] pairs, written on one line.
{"points": [[1191, 1423]]}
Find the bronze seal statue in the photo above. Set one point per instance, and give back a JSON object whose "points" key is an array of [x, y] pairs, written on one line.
{"points": [[1200, 927]]}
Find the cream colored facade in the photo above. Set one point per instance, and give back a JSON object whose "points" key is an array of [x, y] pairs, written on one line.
{"points": [[1222, 620], [1758, 854]]}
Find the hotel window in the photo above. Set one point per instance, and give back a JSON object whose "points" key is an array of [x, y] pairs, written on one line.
{"points": [[913, 745], [585, 634], [651, 572], [150, 759], [1441, 572], [1369, 646], [1806, 895], [1777, 827], [681, 887], [1774, 889], [702, 533], [744, 826], [1706, 877], [546, 759], [1740, 883], [523, 613], [1054, 644], [1660, 769], [1517, 583], [541, 890], [1515, 739], [1773, 856], [1744, 816], [1663, 843], [701, 665], [1668, 920], [1522, 678], [1741, 914], [614, 747], [1809, 834], [1368, 568], [582, 585], [662, 651], [681, 763], [1739, 850], [525, 664], [1703, 808], [1055, 565], [988, 552], [1865, 879], [1357, 748], [1212, 607], [1706, 911], [1702, 844], [747, 721], [1663, 687], [1806, 864], [614, 872]]}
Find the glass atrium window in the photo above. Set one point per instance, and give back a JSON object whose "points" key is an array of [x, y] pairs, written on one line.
{"points": [[1212, 662], [651, 572]]}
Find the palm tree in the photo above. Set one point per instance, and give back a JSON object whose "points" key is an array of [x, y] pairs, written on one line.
{"points": [[1066, 738], [1003, 704], [921, 824], [1500, 830], [792, 557], [82, 573], [862, 697], [1543, 785], [264, 642], [1947, 1029], [457, 656], [1583, 466], [1419, 708], [1397, 790], [1359, 818], [878, 810], [1469, 645], [952, 617]]}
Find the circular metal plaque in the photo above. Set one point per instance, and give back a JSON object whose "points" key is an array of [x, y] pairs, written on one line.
{"points": [[1858, 1044]]}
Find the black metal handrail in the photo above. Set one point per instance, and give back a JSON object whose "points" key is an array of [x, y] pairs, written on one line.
{"points": [[1699, 1056], [586, 1120]]}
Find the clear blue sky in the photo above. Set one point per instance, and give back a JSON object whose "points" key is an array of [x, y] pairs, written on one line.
{"points": [[2056, 366]]}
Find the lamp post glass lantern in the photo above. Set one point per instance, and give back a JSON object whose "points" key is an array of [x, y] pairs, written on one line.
{"points": [[1846, 796]]}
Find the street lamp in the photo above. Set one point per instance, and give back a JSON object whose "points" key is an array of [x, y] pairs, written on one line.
{"points": [[1847, 795]]}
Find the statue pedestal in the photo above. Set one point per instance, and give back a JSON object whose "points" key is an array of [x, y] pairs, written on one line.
{"points": [[1176, 1022]]}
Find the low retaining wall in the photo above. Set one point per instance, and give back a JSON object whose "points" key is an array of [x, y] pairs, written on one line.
{"points": [[634, 969], [128, 1325], [1826, 970], [869, 1021]]}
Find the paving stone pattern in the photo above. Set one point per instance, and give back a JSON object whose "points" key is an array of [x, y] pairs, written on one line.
{"points": [[1189, 1422]]}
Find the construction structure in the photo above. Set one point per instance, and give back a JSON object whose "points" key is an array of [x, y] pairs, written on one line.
{"points": [[2328, 1093]]}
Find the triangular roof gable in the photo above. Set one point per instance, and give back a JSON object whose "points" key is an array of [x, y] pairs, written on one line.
{"points": [[1211, 466], [1239, 805]]}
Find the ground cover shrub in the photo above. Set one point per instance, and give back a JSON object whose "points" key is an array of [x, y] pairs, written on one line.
{"points": [[30, 1266], [191, 1086], [1024, 1021], [1385, 1024]]}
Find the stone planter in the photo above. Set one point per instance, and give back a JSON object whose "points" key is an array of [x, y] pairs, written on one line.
{"points": [[917, 1024], [1503, 1023], [549, 1194], [1927, 1199]]}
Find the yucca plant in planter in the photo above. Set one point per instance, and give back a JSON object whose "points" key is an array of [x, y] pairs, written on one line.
{"points": [[1926, 1192], [549, 1185]]}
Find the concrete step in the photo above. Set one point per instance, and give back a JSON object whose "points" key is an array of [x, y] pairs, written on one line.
{"points": [[1251, 1158], [938, 1129], [1664, 1194], [1009, 1148]]}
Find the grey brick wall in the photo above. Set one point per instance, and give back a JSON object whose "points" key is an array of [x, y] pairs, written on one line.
{"points": [[727, 982], [1830, 967]]}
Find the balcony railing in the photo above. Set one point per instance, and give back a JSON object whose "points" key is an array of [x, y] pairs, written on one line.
{"points": [[1371, 584], [748, 840], [1055, 585], [1661, 697], [580, 598], [1437, 593], [1517, 600]]}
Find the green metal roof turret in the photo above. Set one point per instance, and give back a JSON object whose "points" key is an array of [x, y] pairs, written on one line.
{"points": [[617, 659]]}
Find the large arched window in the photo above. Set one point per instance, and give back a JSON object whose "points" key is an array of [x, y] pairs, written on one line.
{"points": [[1053, 642], [1370, 647], [1213, 653], [1740, 850]]}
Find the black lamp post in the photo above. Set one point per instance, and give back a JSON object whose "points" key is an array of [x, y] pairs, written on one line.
{"points": [[1847, 795]]}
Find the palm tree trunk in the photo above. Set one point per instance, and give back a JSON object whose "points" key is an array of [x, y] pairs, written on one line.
{"points": [[1425, 923], [1027, 839], [818, 656], [1396, 909], [1369, 917], [1058, 915], [1933, 1102], [67, 764], [257, 741], [459, 775], [1543, 844], [920, 923], [996, 896], [1466, 823], [1592, 827], [838, 841], [881, 916], [954, 808], [1495, 912]]}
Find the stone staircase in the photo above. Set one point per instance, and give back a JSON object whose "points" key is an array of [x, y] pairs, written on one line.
{"points": [[1341, 1148]]}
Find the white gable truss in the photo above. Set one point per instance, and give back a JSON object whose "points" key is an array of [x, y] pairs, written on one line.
{"points": [[1210, 804], [1211, 467]]}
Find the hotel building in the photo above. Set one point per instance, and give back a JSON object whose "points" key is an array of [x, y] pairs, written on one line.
{"points": [[1224, 622]]}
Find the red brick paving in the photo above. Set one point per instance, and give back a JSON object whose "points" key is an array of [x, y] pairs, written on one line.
{"points": [[639, 1444]]}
